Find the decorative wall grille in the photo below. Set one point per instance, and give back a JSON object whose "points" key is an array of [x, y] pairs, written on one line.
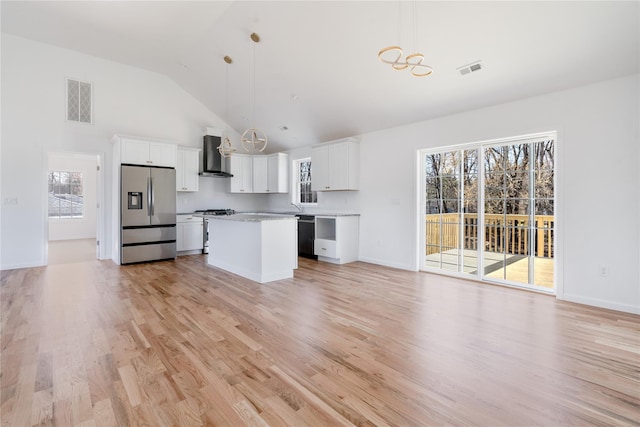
{"points": [[79, 101]]}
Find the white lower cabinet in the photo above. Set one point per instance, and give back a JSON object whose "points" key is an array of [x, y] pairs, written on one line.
{"points": [[326, 248], [337, 238], [189, 233]]}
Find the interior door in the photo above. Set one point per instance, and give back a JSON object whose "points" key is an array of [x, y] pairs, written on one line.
{"points": [[134, 195], [163, 184]]}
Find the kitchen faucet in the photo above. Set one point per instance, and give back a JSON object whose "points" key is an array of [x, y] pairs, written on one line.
{"points": [[299, 207]]}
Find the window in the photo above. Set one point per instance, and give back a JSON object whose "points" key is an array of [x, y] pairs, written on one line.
{"points": [[489, 211], [302, 192], [65, 195]]}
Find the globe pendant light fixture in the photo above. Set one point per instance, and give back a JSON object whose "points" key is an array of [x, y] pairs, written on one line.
{"points": [[225, 148], [253, 136], [393, 55]]}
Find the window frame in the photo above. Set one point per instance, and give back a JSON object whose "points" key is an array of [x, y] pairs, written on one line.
{"points": [[295, 193], [481, 145], [71, 217]]}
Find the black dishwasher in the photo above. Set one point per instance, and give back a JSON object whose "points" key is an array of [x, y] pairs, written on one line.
{"points": [[306, 236]]}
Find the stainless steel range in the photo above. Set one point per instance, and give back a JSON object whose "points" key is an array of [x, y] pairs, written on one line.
{"points": [[205, 234]]}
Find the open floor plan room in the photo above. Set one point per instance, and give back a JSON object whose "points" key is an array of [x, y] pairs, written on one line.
{"points": [[183, 343]]}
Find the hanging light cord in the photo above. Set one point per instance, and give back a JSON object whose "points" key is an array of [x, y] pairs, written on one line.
{"points": [[254, 84], [415, 27], [254, 136], [227, 99]]}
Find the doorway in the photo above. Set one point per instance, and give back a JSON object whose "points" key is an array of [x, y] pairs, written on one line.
{"points": [[489, 211], [73, 214]]}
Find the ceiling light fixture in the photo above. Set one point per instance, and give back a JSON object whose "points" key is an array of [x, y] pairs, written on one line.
{"points": [[253, 136], [225, 148], [393, 55]]}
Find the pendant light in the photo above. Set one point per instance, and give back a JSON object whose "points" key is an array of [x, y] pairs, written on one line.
{"points": [[393, 55], [253, 136], [225, 148]]}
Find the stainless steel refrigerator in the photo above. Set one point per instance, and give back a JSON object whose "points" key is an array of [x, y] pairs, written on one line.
{"points": [[148, 213]]}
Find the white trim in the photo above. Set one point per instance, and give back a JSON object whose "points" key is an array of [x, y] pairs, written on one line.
{"points": [[295, 187], [419, 231], [558, 204], [388, 264], [100, 214], [595, 302], [480, 146], [100, 199], [21, 265]]}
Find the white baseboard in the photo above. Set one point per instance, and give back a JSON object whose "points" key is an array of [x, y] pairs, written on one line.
{"points": [[387, 264], [627, 308], [17, 266], [192, 252]]}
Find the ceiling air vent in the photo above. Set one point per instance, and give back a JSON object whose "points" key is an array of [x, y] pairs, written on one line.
{"points": [[470, 68], [79, 101]]}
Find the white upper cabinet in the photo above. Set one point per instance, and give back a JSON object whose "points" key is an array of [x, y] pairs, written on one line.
{"points": [[146, 152], [187, 169], [260, 174], [278, 173], [241, 167], [335, 166]]}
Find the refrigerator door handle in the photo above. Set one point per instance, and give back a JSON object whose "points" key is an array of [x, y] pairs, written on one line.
{"points": [[151, 198]]}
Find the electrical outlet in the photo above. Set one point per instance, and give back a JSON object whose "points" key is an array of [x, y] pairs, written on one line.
{"points": [[603, 270]]}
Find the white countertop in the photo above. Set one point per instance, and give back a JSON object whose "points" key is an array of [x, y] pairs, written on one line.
{"points": [[251, 217], [315, 213], [270, 215]]}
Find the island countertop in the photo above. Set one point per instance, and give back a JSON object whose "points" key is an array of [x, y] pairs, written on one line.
{"points": [[251, 217]]}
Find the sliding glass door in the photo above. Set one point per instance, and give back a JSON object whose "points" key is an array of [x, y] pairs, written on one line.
{"points": [[451, 220], [511, 203]]}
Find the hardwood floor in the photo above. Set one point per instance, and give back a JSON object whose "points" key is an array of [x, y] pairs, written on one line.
{"points": [[181, 343], [68, 251]]}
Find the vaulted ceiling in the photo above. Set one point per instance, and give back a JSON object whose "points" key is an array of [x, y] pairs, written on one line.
{"points": [[316, 68]]}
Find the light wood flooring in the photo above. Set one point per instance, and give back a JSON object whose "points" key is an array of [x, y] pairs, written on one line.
{"points": [[182, 343], [70, 251]]}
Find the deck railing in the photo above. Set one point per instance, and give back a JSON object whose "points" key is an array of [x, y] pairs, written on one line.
{"points": [[503, 234]]}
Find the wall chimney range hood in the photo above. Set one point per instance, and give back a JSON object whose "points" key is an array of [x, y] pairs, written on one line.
{"points": [[212, 159]]}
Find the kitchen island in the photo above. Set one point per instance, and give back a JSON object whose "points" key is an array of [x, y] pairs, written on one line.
{"points": [[260, 247]]}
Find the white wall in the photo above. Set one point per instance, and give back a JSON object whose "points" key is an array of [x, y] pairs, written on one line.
{"points": [[76, 228], [598, 174], [598, 206], [127, 100], [598, 178]]}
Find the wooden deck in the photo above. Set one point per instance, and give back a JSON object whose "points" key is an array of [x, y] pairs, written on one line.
{"points": [[179, 343], [516, 269]]}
